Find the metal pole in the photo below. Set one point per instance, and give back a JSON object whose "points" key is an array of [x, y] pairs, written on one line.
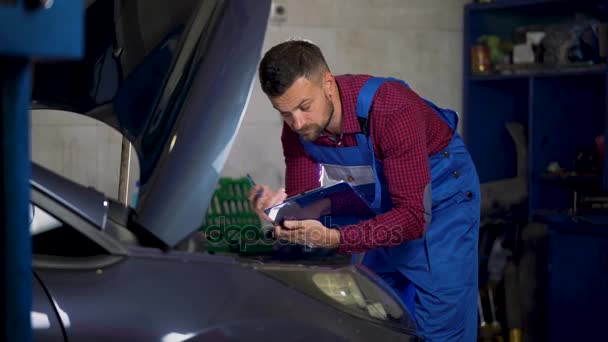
{"points": [[15, 169], [123, 180]]}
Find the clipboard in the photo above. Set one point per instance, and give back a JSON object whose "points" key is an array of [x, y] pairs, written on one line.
{"points": [[334, 205]]}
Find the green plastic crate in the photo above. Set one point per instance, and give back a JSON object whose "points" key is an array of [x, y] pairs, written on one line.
{"points": [[231, 225]]}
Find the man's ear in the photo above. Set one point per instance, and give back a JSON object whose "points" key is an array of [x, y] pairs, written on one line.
{"points": [[328, 83]]}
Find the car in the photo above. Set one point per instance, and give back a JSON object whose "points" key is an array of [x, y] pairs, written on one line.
{"points": [[104, 271]]}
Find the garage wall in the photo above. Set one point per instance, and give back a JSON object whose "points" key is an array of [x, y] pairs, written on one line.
{"points": [[416, 40], [419, 41], [78, 148]]}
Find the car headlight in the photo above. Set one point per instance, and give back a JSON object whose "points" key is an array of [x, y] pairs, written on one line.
{"points": [[350, 289], [343, 288]]}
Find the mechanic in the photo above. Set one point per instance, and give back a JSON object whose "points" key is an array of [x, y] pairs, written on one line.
{"points": [[406, 157]]}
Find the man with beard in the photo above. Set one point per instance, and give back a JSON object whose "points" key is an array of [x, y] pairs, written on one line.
{"points": [[404, 156]]}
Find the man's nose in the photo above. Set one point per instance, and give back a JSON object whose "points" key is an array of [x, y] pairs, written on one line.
{"points": [[298, 121]]}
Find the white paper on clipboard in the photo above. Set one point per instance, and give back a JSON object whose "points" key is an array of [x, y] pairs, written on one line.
{"points": [[338, 201]]}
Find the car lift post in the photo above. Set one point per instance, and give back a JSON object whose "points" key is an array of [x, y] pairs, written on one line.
{"points": [[28, 29]]}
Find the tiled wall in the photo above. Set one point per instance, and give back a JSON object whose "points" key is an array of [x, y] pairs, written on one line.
{"points": [[419, 41], [416, 40], [78, 148]]}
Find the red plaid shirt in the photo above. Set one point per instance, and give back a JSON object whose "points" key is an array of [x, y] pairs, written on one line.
{"points": [[405, 132]]}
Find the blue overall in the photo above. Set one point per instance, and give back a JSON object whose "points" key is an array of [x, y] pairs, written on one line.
{"points": [[436, 275]]}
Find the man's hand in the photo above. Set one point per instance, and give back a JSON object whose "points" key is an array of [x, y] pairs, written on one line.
{"points": [[309, 233], [262, 197]]}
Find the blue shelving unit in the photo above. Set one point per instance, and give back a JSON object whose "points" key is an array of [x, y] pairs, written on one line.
{"points": [[562, 110]]}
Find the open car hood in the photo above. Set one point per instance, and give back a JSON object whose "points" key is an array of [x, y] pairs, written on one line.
{"points": [[175, 78]]}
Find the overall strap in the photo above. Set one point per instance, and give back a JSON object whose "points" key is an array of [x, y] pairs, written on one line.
{"points": [[366, 96], [364, 103]]}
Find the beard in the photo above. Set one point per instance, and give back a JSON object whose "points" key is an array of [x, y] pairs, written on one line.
{"points": [[313, 132]]}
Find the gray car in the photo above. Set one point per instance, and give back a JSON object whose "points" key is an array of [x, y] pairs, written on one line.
{"points": [[106, 272]]}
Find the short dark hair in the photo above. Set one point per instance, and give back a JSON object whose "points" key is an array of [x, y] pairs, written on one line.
{"points": [[288, 61]]}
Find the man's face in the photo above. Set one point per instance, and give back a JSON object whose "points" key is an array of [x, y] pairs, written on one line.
{"points": [[305, 107]]}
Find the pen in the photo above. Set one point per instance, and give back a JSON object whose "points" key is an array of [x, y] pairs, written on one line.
{"points": [[252, 182]]}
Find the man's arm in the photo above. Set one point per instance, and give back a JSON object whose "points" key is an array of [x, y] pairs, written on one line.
{"points": [[302, 173], [400, 143]]}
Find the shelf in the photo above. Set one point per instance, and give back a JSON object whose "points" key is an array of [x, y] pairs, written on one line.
{"points": [[495, 77], [580, 182], [573, 71], [514, 4], [567, 221]]}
